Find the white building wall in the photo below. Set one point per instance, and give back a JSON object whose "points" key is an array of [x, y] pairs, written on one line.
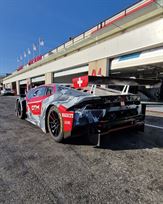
{"points": [[144, 37]]}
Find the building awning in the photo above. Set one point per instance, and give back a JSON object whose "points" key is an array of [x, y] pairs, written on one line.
{"points": [[147, 57], [38, 79], [71, 71], [22, 82]]}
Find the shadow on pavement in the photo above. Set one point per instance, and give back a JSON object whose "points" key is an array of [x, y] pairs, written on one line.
{"points": [[125, 140], [128, 139]]}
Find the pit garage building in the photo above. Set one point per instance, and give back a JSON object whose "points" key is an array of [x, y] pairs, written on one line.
{"points": [[127, 44]]}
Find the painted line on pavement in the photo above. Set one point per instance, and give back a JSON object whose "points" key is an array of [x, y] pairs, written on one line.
{"points": [[154, 126]]}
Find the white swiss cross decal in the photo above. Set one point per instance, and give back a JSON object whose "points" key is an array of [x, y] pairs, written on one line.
{"points": [[79, 82]]}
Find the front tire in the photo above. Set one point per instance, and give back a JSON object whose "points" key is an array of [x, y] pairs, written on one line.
{"points": [[55, 124]]}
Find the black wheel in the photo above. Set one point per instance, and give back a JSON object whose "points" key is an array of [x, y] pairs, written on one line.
{"points": [[55, 124], [20, 110]]}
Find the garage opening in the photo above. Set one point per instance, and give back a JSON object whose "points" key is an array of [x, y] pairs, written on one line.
{"points": [[23, 89], [14, 87], [66, 76], [146, 64], [23, 86], [37, 81]]}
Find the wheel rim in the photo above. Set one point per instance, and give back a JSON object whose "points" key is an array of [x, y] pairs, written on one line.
{"points": [[54, 123]]}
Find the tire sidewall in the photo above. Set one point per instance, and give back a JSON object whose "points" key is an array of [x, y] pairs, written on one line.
{"points": [[60, 137], [20, 116]]}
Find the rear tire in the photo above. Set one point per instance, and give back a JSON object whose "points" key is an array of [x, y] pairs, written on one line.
{"points": [[55, 124], [20, 110]]}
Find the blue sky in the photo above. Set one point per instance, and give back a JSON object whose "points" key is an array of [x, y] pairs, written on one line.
{"points": [[22, 22]]}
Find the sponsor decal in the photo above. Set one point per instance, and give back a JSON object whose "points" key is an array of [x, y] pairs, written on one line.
{"points": [[67, 122], [67, 118], [67, 115], [122, 102], [35, 107]]}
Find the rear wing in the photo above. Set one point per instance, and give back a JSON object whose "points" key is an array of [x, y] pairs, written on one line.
{"points": [[123, 81], [83, 81]]}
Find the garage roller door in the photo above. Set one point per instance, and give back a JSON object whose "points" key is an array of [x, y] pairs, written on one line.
{"points": [[66, 76]]}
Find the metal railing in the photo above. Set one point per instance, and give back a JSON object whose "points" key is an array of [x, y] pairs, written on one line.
{"points": [[110, 21], [87, 34]]}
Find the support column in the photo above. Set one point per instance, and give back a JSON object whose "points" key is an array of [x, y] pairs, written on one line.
{"points": [[98, 67], [108, 67], [29, 84], [17, 88], [11, 86], [49, 78]]}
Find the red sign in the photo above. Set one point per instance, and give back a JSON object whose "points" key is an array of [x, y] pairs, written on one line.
{"points": [[19, 68], [36, 59], [98, 74]]}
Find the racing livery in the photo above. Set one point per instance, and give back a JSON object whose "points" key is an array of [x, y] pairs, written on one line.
{"points": [[86, 106]]}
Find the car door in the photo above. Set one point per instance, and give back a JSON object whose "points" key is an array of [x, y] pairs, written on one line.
{"points": [[35, 100]]}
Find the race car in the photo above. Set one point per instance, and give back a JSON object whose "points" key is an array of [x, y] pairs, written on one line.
{"points": [[86, 106], [7, 91]]}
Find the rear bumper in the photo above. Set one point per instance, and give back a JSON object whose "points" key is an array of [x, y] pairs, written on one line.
{"points": [[105, 127], [139, 125]]}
